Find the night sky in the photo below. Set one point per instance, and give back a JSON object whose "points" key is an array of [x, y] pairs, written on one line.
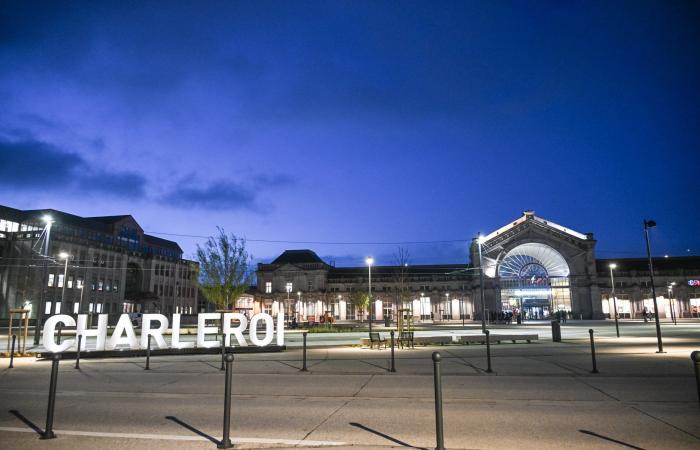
{"points": [[357, 121]]}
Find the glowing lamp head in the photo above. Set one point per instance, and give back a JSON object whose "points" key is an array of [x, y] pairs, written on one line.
{"points": [[63, 255], [481, 238], [369, 260], [613, 266], [47, 219]]}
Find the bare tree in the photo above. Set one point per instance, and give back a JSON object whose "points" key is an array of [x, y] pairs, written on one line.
{"points": [[402, 289], [224, 269]]}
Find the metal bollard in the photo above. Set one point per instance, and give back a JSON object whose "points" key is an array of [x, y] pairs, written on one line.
{"points": [[488, 351], [440, 440], [48, 431], [226, 440], [393, 367], [223, 350], [77, 353], [303, 367], [12, 352], [695, 356], [595, 367], [148, 354]]}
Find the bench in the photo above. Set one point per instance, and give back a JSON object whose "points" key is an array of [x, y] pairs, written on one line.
{"points": [[481, 338], [406, 338], [376, 338]]}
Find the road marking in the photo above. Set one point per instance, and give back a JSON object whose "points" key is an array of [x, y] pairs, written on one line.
{"points": [[178, 437]]}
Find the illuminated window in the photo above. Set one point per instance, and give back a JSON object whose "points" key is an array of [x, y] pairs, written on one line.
{"points": [[70, 282], [76, 305], [51, 279], [290, 287], [60, 280], [57, 309], [47, 308], [268, 287]]}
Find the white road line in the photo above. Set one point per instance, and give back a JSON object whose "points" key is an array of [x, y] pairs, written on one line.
{"points": [[177, 437]]}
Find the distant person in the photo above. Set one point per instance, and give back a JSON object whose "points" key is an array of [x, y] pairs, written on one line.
{"points": [[294, 323], [645, 314]]}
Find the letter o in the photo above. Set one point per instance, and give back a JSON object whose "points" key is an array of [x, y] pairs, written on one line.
{"points": [[269, 329]]}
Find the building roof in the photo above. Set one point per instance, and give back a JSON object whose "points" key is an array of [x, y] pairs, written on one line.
{"points": [[642, 264], [530, 215], [298, 257], [108, 219], [410, 270], [160, 242]]}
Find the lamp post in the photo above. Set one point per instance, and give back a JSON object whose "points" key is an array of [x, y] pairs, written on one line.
{"points": [[670, 301], [64, 256], [369, 260], [447, 303], [651, 224], [480, 240], [289, 289], [80, 305], [298, 307], [48, 220], [612, 283]]}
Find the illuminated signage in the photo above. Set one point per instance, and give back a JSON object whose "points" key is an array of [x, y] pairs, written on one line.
{"points": [[693, 282], [123, 334]]}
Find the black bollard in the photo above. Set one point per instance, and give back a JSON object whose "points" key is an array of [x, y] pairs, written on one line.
{"points": [[77, 353], [148, 354], [440, 440], [595, 367], [60, 327], [48, 432], [695, 356], [223, 350], [488, 351], [12, 352], [303, 367], [226, 440], [393, 367]]}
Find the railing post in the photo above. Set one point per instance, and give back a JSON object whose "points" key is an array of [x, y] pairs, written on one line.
{"points": [[148, 354], [303, 367], [226, 440], [595, 367], [48, 431], [440, 439], [77, 353], [12, 352], [488, 351], [695, 356], [393, 366], [60, 327]]}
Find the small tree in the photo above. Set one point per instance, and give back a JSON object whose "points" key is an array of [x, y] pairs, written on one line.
{"points": [[360, 299], [224, 269], [402, 287]]}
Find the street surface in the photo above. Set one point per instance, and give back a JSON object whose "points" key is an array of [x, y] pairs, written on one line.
{"points": [[541, 395]]}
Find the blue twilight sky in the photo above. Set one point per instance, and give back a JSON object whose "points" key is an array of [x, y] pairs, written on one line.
{"points": [[358, 121]]}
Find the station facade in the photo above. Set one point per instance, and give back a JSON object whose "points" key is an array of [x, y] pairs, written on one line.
{"points": [[532, 267]]}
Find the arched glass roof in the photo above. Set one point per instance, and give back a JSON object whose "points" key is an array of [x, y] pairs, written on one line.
{"points": [[522, 258]]}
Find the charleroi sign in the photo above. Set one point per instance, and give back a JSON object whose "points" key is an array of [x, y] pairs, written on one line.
{"points": [[124, 335]]}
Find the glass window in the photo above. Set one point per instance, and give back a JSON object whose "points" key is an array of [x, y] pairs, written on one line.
{"points": [[51, 280], [268, 287], [115, 286], [70, 282], [290, 287], [100, 285], [57, 309], [60, 280], [47, 308], [76, 305]]}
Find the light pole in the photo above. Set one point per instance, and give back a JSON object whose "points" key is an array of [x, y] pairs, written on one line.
{"points": [[65, 256], [651, 224], [670, 301], [612, 283], [369, 260], [48, 220], [298, 307], [447, 303], [289, 289], [80, 305], [480, 240]]}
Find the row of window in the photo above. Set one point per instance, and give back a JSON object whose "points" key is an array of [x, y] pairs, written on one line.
{"points": [[97, 308], [187, 292], [164, 270], [107, 285]]}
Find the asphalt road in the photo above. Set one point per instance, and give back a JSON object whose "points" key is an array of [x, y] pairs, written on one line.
{"points": [[541, 395]]}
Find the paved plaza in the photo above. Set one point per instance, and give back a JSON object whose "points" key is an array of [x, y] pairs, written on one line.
{"points": [[540, 395]]}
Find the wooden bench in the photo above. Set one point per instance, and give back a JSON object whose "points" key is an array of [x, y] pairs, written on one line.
{"points": [[406, 338], [376, 338], [481, 338]]}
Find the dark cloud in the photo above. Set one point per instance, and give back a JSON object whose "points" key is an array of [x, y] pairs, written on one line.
{"points": [[221, 195], [32, 164], [226, 195]]}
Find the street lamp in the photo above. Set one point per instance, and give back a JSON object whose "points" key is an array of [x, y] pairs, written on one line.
{"points": [[48, 220], [612, 283], [369, 260], [670, 301], [447, 303], [480, 239], [289, 289], [298, 307], [65, 256], [651, 224]]}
